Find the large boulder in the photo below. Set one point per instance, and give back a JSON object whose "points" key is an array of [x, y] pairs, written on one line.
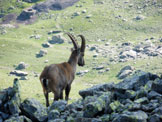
{"points": [[58, 105], [138, 80], [11, 99], [18, 119], [53, 5], [57, 39], [26, 14], [137, 116], [34, 110], [93, 108], [157, 86], [125, 71], [96, 90]]}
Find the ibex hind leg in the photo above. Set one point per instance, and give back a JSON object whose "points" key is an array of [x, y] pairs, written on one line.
{"points": [[46, 96], [61, 95], [56, 95], [67, 91]]}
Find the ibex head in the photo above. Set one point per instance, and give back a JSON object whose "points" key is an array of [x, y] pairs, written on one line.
{"points": [[79, 51]]}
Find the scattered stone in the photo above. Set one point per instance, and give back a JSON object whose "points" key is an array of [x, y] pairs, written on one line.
{"points": [[99, 68], [84, 11], [21, 66], [140, 17], [46, 61], [41, 53], [30, 1], [125, 71], [23, 78], [81, 73], [88, 16], [76, 14], [57, 39], [18, 73], [35, 36], [46, 45], [95, 55]]}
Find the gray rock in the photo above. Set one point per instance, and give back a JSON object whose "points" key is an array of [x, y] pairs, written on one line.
{"points": [[149, 107], [105, 118], [84, 11], [130, 94], [18, 119], [140, 17], [18, 73], [115, 106], [81, 73], [23, 78], [34, 110], [95, 89], [30, 1], [4, 115], [125, 73], [99, 67], [137, 80], [93, 108], [128, 54], [158, 110], [143, 100], [82, 119], [21, 66], [58, 105], [26, 14], [57, 39], [53, 114], [157, 86], [155, 118], [76, 14], [41, 53], [57, 120], [88, 16], [53, 5], [46, 45], [153, 95], [138, 116], [141, 93]]}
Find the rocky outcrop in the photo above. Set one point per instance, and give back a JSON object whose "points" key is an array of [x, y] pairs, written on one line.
{"points": [[53, 5], [137, 98]]}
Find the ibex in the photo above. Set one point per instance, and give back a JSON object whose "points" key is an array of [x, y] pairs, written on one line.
{"points": [[58, 77]]}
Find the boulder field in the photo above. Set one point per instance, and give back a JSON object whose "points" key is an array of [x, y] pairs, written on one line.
{"points": [[138, 98]]}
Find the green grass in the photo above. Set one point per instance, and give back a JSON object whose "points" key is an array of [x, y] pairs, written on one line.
{"points": [[17, 46]]}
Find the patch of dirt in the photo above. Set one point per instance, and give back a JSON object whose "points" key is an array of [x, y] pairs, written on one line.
{"points": [[8, 18]]}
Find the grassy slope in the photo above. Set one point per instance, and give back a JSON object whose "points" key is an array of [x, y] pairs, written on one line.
{"points": [[16, 46]]}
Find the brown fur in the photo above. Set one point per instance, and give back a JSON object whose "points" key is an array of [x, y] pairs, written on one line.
{"points": [[59, 77]]}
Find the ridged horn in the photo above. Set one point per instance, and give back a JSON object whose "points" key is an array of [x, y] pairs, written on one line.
{"points": [[83, 43], [73, 40]]}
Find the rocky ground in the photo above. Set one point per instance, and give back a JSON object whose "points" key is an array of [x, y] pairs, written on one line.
{"points": [[136, 99]]}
